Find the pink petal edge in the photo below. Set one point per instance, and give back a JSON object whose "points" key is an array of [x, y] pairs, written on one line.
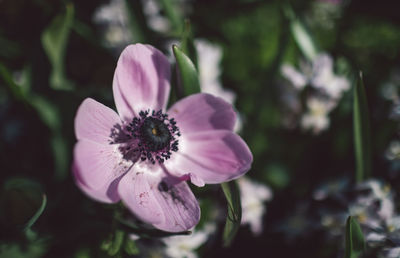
{"points": [[202, 112], [98, 165], [211, 157], [141, 80], [94, 121], [173, 208], [106, 194]]}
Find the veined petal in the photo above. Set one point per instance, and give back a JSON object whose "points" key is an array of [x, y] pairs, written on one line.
{"points": [[160, 200], [141, 80], [107, 194], [214, 156], [202, 112], [94, 121], [98, 165]]}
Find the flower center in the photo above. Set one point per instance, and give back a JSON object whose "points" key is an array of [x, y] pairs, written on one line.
{"points": [[156, 134]]}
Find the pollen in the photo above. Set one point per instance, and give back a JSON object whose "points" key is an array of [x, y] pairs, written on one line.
{"points": [[154, 131]]}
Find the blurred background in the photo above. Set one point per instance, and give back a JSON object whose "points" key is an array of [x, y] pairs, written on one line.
{"points": [[288, 67]]}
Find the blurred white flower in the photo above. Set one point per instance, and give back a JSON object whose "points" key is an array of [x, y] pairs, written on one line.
{"points": [[316, 118], [391, 252], [390, 88], [319, 74], [328, 89], [185, 246], [374, 210], [389, 232], [375, 206], [390, 91], [253, 195], [114, 18], [113, 12], [297, 79], [393, 152], [209, 58], [155, 20], [134, 237], [324, 14], [324, 78]]}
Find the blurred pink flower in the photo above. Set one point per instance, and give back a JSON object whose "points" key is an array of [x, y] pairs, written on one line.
{"points": [[144, 155]]}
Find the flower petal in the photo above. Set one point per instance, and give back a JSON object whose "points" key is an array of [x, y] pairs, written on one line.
{"points": [[160, 200], [201, 112], [141, 80], [214, 156], [98, 165], [107, 193], [94, 121]]}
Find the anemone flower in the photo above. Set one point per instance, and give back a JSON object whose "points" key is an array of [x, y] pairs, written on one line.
{"points": [[144, 154]]}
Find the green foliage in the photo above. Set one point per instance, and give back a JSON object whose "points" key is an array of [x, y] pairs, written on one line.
{"points": [[22, 203], [378, 37], [254, 43], [276, 176], [171, 9], [12, 86], [113, 245], [301, 35], [130, 247], [48, 113], [54, 40], [234, 215], [34, 249], [355, 244], [187, 43], [362, 135], [188, 79]]}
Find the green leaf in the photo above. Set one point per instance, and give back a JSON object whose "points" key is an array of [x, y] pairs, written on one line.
{"points": [[187, 43], [47, 112], [232, 224], [362, 135], [174, 16], [54, 40], [60, 154], [113, 245], [50, 116], [188, 79], [39, 212], [15, 89], [130, 247], [355, 243], [34, 249], [137, 22], [300, 34], [86, 32], [22, 203], [117, 242]]}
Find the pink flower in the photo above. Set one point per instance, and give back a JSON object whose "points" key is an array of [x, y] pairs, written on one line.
{"points": [[144, 154]]}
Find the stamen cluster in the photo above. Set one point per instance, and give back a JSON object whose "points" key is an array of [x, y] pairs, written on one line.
{"points": [[156, 134]]}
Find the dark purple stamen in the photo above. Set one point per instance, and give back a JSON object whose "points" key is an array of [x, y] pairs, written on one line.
{"points": [[156, 134]]}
